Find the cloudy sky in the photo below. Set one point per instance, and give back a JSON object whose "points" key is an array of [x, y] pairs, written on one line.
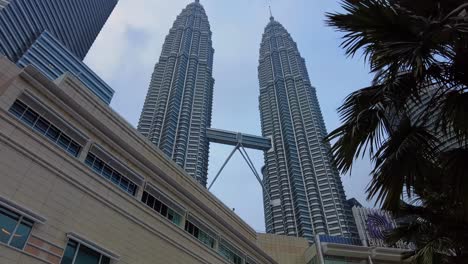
{"points": [[130, 44]]}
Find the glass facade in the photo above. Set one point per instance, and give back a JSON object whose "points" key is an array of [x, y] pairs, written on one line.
{"points": [[14, 228], [75, 24], [49, 56], [28, 27], [307, 195], [177, 109], [41, 125], [76, 253]]}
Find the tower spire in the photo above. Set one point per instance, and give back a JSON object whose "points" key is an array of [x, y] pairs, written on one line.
{"points": [[271, 14]]}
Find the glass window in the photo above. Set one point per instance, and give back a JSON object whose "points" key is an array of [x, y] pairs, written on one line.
{"points": [[53, 133], [74, 148], [14, 228], [199, 234], [41, 125], [76, 253], [18, 109], [229, 254], [106, 171], [29, 117], [44, 127], [22, 233], [70, 252], [87, 256], [8, 223], [161, 208], [64, 141], [90, 160]]}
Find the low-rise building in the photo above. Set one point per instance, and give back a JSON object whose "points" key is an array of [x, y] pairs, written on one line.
{"points": [[78, 183]]}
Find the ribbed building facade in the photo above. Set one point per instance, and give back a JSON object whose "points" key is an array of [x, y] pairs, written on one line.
{"points": [[305, 196], [3, 3], [49, 56], [177, 109], [55, 36], [75, 24]]}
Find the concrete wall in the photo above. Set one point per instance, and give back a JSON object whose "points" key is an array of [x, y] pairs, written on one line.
{"points": [[284, 249]]}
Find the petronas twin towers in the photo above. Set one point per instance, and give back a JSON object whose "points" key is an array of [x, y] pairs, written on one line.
{"points": [[303, 193], [178, 105]]}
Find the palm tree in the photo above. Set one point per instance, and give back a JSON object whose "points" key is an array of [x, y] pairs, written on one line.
{"points": [[413, 119]]}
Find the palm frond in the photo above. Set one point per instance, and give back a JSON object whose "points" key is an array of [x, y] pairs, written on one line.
{"points": [[405, 161]]}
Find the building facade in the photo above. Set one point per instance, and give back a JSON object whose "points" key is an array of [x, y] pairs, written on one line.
{"points": [[305, 196], [373, 226], [25, 25], [81, 185], [3, 3], [49, 56], [177, 109]]}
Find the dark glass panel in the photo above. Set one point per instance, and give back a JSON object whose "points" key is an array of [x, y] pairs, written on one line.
{"points": [[41, 125], [124, 184], [89, 159], [115, 177], [144, 197], [105, 260], [18, 109], [30, 117], [53, 133], [64, 141], [87, 256], [98, 165], [21, 235], [150, 201], [8, 222], [157, 206], [164, 210], [69, 253], [74, 149], [107, 172]]}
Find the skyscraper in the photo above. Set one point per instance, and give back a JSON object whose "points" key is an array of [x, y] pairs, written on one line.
{"points": [[3, 3], [306, 197], [177, 109], [55, 34]]}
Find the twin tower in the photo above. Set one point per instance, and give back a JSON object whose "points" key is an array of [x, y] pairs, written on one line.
{"points": [[298, 172]]}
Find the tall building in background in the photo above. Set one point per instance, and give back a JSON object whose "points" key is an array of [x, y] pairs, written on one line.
{"points": [[55, 36], [177, 109], [305, 195], [4, 3]]}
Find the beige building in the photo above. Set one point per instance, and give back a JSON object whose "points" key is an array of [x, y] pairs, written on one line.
{"points": [[79, 185]]}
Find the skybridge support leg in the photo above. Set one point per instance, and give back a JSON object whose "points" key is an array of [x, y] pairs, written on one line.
{"points": [[224, 165], [247, 159]]}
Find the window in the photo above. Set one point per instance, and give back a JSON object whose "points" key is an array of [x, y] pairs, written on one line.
{"points": [[161, 208], [14, 228], [229, 254], [76, 253], [201, 235], [106, 171], [32, 119]]}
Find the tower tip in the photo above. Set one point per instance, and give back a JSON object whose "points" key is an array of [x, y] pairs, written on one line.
{"points": [[271, 14]]}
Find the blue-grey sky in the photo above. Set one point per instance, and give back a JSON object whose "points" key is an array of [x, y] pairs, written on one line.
{"points": [[130, 44]]}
